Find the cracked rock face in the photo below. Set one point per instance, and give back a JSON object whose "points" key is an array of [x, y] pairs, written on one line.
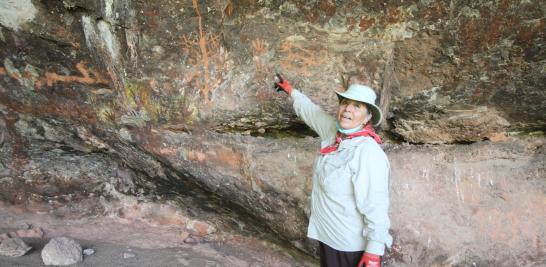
{"points": [[173, 101]]}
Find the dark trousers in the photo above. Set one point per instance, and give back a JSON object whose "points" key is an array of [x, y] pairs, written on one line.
{"points": [[330, 257]]}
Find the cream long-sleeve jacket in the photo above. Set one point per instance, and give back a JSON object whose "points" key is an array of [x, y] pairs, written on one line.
{"points": [[350, 197]]}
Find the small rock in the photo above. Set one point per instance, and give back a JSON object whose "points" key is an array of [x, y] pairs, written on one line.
{"points": [[88, 252], [13, 247], [62, 251], [127, 255]]}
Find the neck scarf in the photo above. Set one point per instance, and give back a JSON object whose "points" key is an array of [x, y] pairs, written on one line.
{"points": [[366, 131]]}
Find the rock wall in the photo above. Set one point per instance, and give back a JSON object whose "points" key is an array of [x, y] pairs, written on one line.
{"points": [[471, 205], [178, 96]]}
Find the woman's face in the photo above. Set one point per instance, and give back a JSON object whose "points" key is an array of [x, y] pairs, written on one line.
{"points": [[352, 114]]}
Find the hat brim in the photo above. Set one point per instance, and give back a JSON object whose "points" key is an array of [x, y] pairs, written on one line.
{"points": [[377, 115]]}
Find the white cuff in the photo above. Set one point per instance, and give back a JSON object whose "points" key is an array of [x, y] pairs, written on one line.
{"points": [[374, 247]]}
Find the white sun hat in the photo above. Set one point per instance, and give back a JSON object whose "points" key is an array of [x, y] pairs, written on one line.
{"points": [[366, 95]]}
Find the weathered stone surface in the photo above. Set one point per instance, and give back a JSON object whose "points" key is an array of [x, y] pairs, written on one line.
{"points": [[62, 251], [14, 247], [277, 197], [437, 124], [218, 66], [463, 205], [173, 100]]}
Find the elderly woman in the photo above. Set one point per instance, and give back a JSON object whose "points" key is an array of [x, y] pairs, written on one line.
{"points": [[350, 197]]}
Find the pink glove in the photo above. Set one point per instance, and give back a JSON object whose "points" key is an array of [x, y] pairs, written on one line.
{"points": [[370, 260], [283, 84]]}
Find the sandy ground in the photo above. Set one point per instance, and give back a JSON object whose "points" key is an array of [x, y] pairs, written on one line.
{"points": [[149, 245], [109, 254]]}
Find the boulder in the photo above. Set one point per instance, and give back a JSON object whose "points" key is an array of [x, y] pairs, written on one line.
{"points": [[62, 251]]}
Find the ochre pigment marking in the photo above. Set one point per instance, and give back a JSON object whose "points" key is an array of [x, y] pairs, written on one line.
{"points": [[393, 15], [151, 16], [85, 78], [168, 151], [228, 11], [434, 11], [328, 6], [204, 54], [259, 47], [366, 23], [196, 156], [229, 157], [13, 74], [300, 59]]}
